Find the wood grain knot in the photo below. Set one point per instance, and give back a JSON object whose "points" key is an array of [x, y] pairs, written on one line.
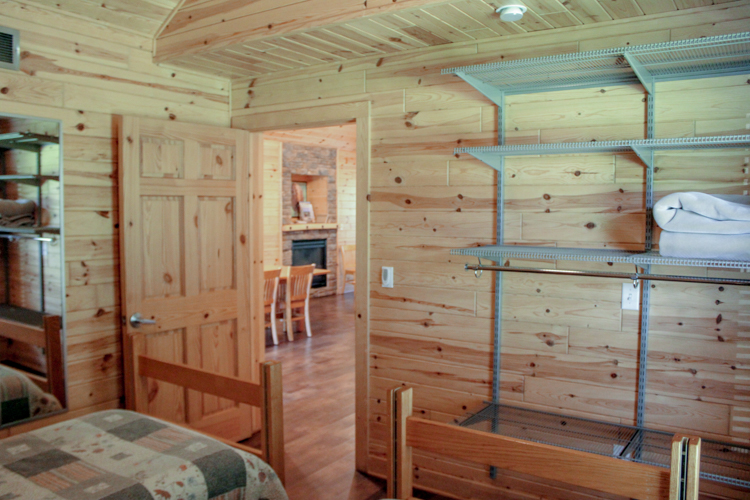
{"points": [[4, 90], [167, 278], [546, 197], [591, 225]]}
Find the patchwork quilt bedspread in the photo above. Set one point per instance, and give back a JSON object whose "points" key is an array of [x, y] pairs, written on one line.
{"points": [[119, 455], [20, 398]]}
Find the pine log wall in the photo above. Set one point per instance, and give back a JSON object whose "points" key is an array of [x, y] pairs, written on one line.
{"points": [[568, 346], [83, 73]]}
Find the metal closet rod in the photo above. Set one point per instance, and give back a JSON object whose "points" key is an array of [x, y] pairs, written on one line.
{"points": [[635, 277], [23, 236]]}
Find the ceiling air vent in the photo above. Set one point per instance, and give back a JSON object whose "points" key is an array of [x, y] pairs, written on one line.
{"points": [[10, 55]]}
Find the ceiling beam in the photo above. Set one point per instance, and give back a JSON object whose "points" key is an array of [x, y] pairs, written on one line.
{"points": [[209, 25]]}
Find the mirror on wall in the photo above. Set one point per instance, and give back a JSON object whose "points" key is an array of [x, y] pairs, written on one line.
{"points": [[32, 367]]}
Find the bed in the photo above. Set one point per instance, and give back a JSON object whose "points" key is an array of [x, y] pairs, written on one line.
{"points": [[20, 398], [121, 454], [31, 344], [606, 474]]}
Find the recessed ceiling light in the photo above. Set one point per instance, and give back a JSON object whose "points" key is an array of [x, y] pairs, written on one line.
{"points": [[511, 13]]}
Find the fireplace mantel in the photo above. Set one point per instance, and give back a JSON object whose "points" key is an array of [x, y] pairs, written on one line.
{"points": [[308, 227]]}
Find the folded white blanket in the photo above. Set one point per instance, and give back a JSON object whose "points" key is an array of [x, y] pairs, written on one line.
{"points": [[703, 213], [10, 208], [17, 213], [705, 246]]}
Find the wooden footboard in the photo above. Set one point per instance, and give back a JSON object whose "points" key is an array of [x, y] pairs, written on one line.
{"points": [[37, 329], [267, 396], [597, 472]]}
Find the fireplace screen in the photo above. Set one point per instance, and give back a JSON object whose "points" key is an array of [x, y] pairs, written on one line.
{"points": [[311, 252]]}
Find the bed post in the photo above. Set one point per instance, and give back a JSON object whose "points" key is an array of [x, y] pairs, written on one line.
{"points": [[399, 454], [54, 353], [685, 468], [272, 415]]}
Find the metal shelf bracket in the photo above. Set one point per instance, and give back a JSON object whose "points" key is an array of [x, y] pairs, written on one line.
{"points": [[644, 75], [645, 154], [492, 93]]}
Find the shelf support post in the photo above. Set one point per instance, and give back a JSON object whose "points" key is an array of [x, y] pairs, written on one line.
{"points": [[38, 223], [643, 351], [500, 239]]}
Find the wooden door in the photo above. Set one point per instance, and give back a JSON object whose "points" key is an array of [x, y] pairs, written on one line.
{"points": [[191, 262]]}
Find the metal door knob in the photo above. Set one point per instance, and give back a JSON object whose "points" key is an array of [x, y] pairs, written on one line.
{"points": [[137, 320]]}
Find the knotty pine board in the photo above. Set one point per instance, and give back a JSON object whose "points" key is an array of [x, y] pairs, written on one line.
{"points": [[346, 192], [562, 335], [81, 73], [272, 196]]}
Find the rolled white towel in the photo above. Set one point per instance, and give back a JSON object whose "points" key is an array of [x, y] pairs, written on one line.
{"points": [[703, 213], [705, 246], [12, 208]]}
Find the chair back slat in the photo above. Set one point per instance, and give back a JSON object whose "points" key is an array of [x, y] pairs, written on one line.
{"points": [[270, 286], [299, 282]]}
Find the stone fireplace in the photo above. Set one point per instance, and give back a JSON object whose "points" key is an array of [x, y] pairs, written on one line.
{"points": [[317, 167]]}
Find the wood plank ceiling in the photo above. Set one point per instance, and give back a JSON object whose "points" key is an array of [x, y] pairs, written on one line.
{"points": [[434, 24], [429, 23], [142, 17]]}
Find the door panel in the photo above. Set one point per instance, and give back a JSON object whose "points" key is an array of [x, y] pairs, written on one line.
{"points": [[188, 218]]}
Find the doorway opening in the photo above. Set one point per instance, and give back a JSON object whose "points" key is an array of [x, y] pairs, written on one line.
{"points": [[317, 166]]}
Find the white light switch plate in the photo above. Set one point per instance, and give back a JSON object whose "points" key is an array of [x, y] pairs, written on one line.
{"points": [[631, 296], [386, 277]]}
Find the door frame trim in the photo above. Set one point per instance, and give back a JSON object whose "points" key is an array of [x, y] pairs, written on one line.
{"points": [[323, 116]]}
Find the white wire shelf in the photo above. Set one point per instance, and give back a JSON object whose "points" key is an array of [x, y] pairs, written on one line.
{"points": [[32, 180], [490, 154], [726, 463], [500, 253], [26, 141], [697, 58]]}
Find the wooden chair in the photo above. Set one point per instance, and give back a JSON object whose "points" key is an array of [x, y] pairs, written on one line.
{"points": [[347, 266], [297, 296], [270, 299]]}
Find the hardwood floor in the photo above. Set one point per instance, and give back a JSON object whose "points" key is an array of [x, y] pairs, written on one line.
{"points": [[318, 374]]}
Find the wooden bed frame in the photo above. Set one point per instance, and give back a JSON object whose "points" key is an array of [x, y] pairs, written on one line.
{"points": [[597, 472], [267, 396], [43, 331]]}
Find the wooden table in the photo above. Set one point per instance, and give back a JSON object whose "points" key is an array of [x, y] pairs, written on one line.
{"points": [[285, 272]]}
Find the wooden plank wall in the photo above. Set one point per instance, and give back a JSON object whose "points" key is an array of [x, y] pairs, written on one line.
{"points": [[346, 189], [272, 249], [568, 345], [83, 73]]}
